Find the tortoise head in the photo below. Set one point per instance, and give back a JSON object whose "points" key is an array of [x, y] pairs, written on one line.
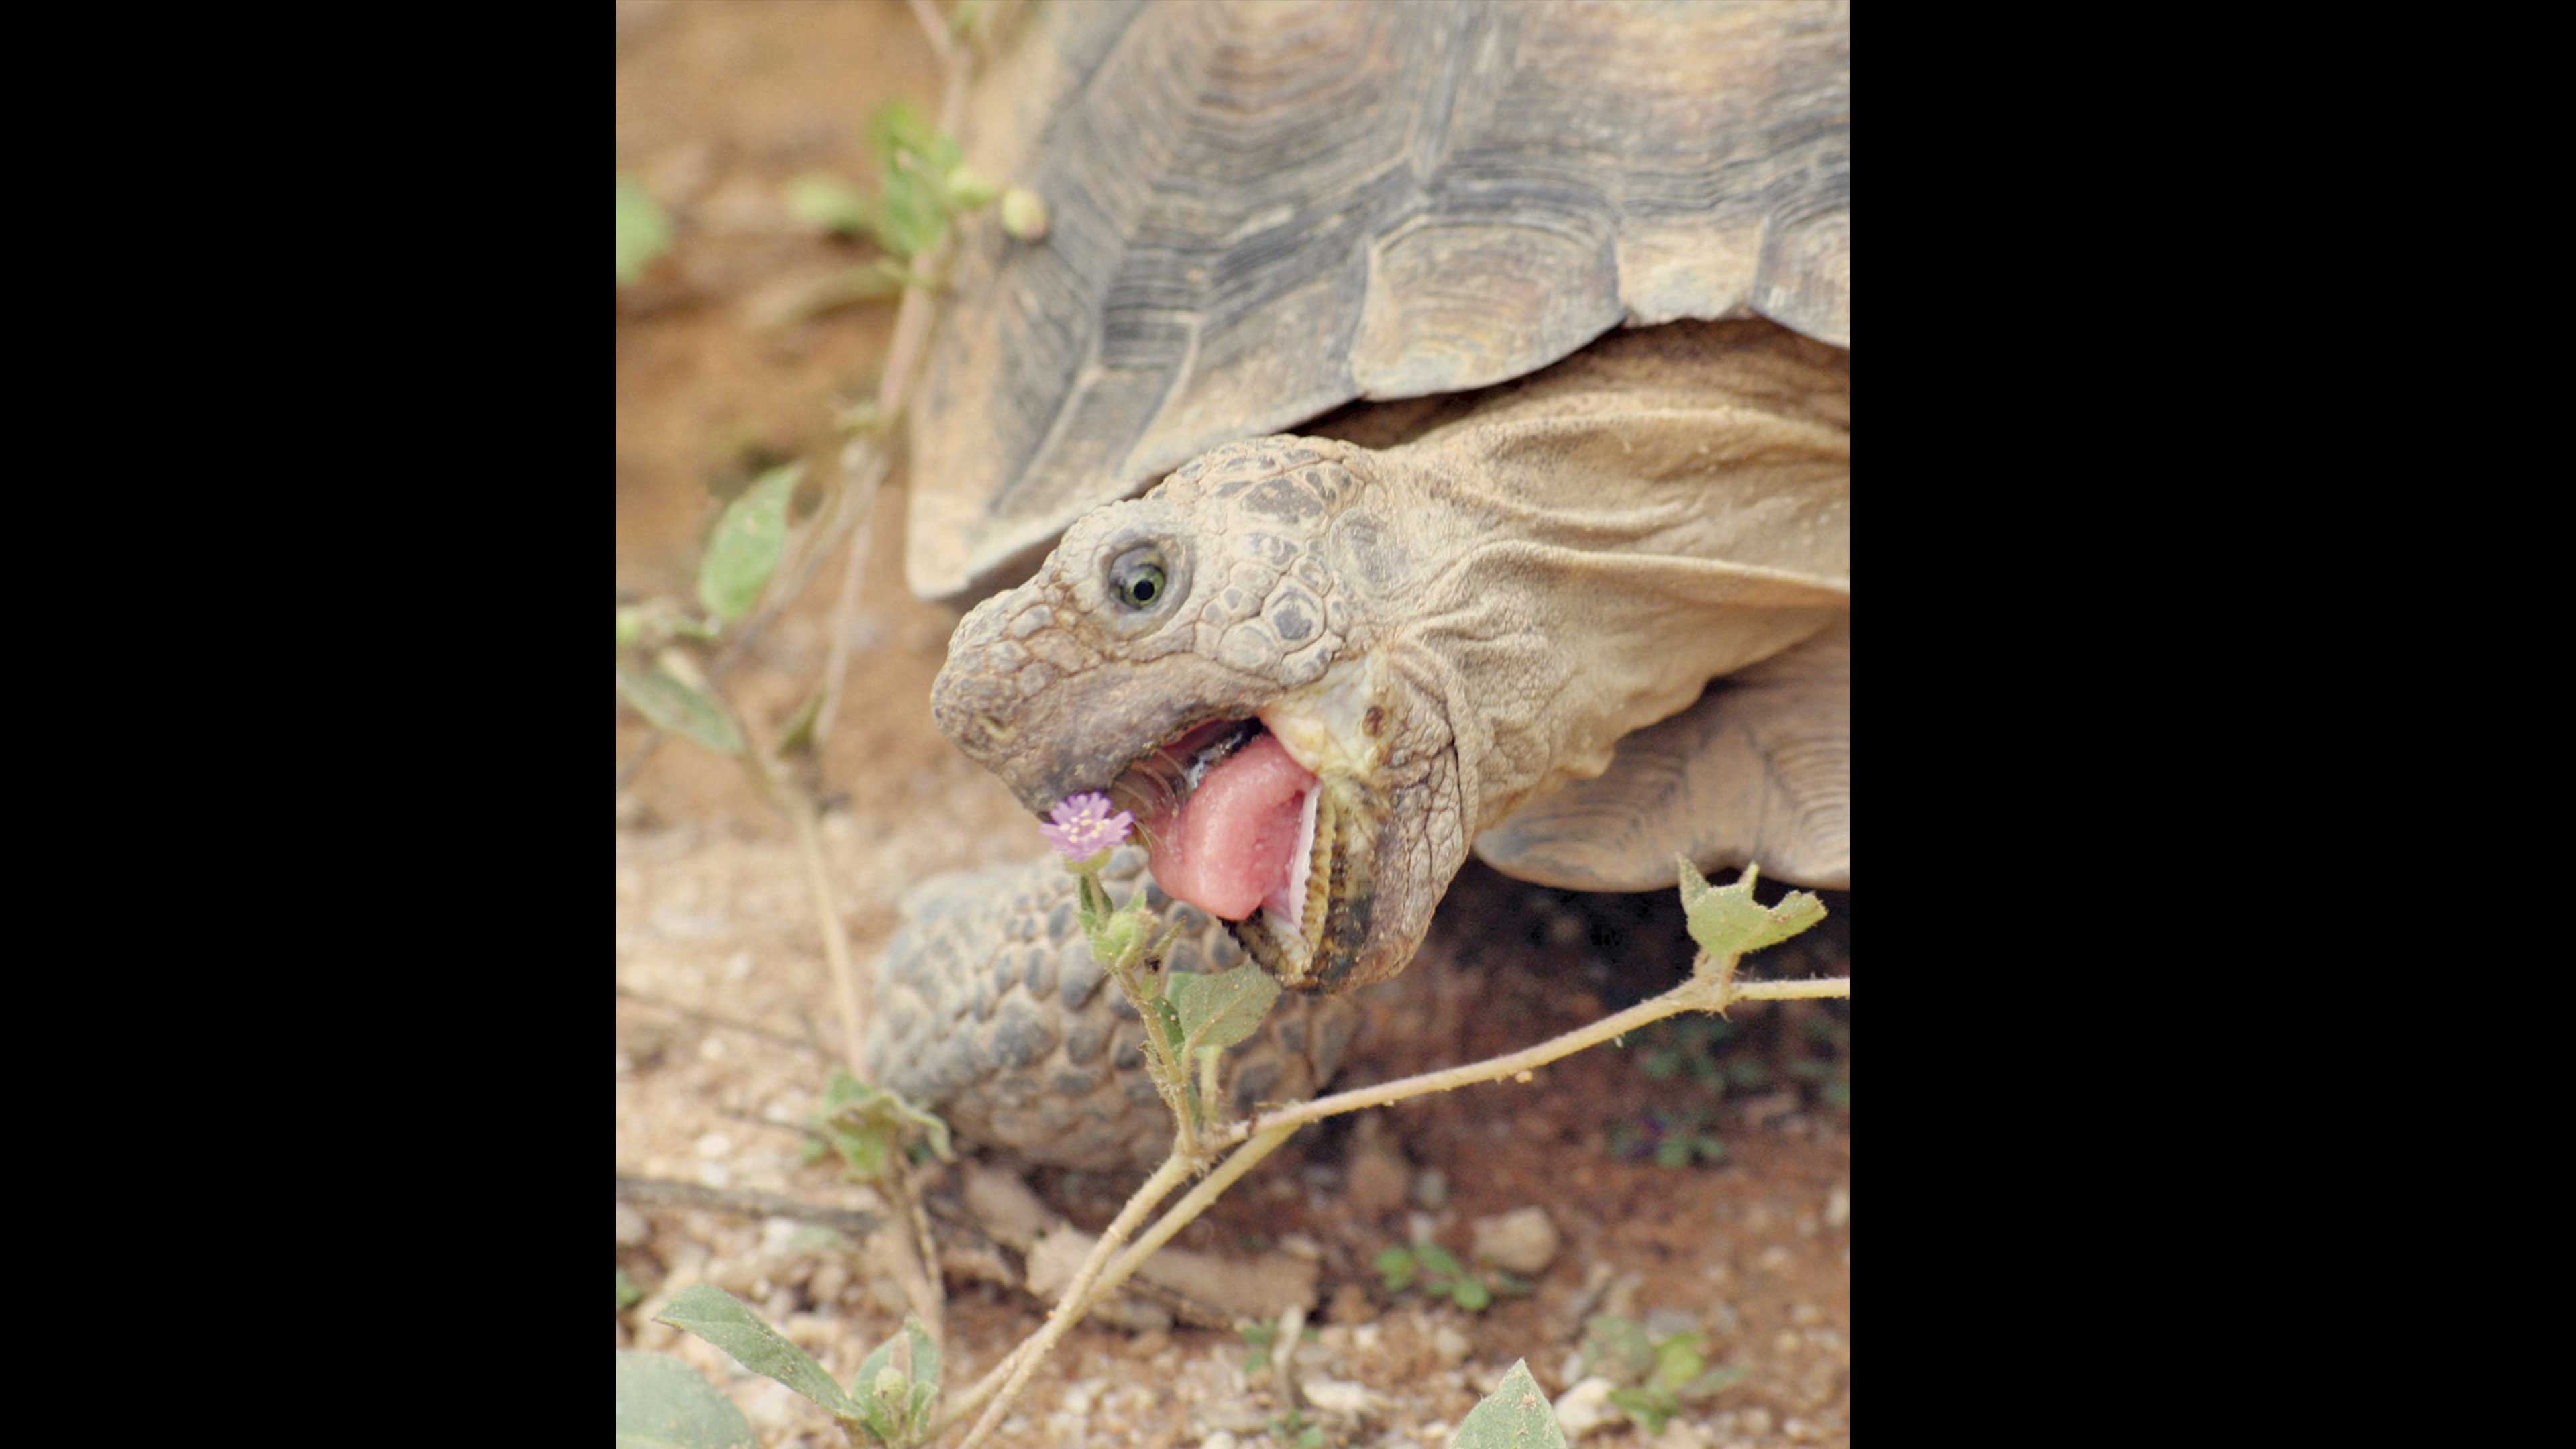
{"points": [[1203, 655]]}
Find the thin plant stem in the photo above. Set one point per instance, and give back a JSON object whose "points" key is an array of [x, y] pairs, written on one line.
{"points": [[658, 1192], [922, 1283], [1711, 987], [1816, 990], [836, 935], [1187, 1210], [1090, 1287], [1025, 1360]]}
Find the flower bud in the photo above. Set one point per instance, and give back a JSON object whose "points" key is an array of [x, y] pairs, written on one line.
{"points": [[1024, 214]]}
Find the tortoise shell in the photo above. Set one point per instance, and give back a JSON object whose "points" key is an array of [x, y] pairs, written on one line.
{"points": [[1262, 212]]}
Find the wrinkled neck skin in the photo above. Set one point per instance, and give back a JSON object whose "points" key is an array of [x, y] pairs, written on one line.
{"points": [[1511, 625]]}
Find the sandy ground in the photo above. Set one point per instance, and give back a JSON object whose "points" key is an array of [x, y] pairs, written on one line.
{"points": [[724, 1010]]}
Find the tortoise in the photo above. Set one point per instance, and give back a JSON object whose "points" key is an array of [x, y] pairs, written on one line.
{"points": [[1558, 573]]}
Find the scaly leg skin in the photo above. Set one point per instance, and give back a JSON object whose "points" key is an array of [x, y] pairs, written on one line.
{"points": [[991, 1012]]}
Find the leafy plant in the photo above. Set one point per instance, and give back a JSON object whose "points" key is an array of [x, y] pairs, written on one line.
{"points": [[1827, 1066], [663, 1403], [893, 1400], [1439, 1274], [1668, 1049], [1292, 1429], [742, 554], [1655, 1379], [1673, 1138], [1516, 1415], [1258, 1336], [1261, 1336], [871, 1128], [628, 1295], [921, 182]]}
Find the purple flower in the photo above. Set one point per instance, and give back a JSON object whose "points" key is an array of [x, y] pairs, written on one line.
{"points": [[1084, 827]]}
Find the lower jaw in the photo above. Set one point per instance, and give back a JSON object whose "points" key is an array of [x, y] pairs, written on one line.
{"points": [[1340, 896]]}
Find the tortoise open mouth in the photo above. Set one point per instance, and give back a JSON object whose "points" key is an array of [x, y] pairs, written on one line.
{"points": [[1238, 828]]}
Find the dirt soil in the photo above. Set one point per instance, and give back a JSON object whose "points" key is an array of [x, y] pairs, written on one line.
{"points": [[724, 1009]]}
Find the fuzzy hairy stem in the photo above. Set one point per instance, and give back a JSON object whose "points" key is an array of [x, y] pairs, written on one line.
{"points": [[1024, 1360], [1711, 987]]}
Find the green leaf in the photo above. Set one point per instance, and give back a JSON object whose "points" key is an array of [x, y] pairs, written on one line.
{"points": [[1673, 1152], [749, 541], [866, 1125], [910, 217], [898, 131], [627, 1292], [1471, 1294], [1651, 1408], [1516, 1415], [677, 708], [723, 1320], [1711, 1383], [1437, 1260], [1220, 1009], [1024, 214], [1398, 1268], [815, 1238], [798, 736], [831, 204], [968, 189], [1617, 1349], [1677, 1360], [643, 230], [663, 1403], [897, 1386], [1728, 922]]}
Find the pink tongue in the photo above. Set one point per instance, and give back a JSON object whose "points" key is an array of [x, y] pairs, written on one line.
{"points": [[1235, 840]]}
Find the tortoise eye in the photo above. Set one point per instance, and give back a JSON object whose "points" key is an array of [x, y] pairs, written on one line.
{"points": [[1137, 578]]}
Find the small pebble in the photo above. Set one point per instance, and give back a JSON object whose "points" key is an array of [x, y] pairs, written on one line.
{"points": [[1452, 1346], [1587, 1407], [1338, 1397], [1756, 1422], [632, 1230], [1522, 1241], [1221, 1439]]}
